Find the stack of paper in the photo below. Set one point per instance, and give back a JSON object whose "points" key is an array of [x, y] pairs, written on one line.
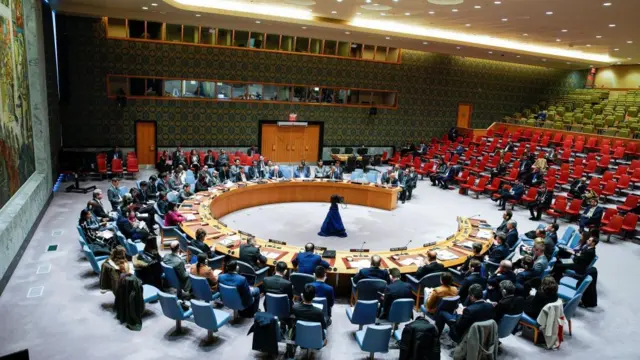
{"points": [[484, 234], [106, 234], [411, 261], [361, 263], [190, 217], [466, 244], [444, 255], [271, 255]]}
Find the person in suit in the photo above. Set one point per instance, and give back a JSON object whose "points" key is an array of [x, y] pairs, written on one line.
{"points": [[323, 290], [268, 168], [194, 157], [113, 194], [302, 171], [97, 208], [255, 172], [473, 277], [338, 169], [163, 183], [178, 158], [432, 265], [307, 261], [321, 170], [198, 242], [592, 215], [547, 294], [397, 289], [175, 182], [151, 192], [391, 180], [540, 262], [509, 303], [262, 165], [242, 175], [581, 259], [372, 272], [504, 272], [509, 147], [186, 193], [438, 169], [249, 295], [209, 159], [334, 174], [444, 178], [534, 178], [178, 264], [162, 204], [578, 188], [552, 233], [252, 151], [506, 216], [477, 250], [411, 182], [306, 311], [525, 167], [446, 289], [202, 184], [542, 202], [225, 174], [515, 193], [140, 196], [278, 283], [499, 251], [164, 162], [512, 234], [478, 310], [500, 170], [235, 170], [276, 173], [116, 154], [223, 159], [250, 254]]}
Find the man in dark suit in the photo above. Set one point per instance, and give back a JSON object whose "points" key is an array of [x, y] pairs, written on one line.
{"points": [[373, 272], [581, 260], [96, 207], [578, 188], [397, 289], [249, 295], [278, 284], [223, 159], [411, 182], [255, 172], [534, 178], [198, 243], [250, 254], [252, 151], [473, 278], [477, 311], [515, 193], [391, 180], [334, 174], [163, 183], [432, 265], [323, 290], [302, 171], [592, 215], [235, 170], [512, 234], [225, 174], [209, 159], [504, 272], [439, 168], [445, 177], [306, 311], [339, 169], [116, 154], [178, 158], [506, 216], [178, 264], [542, 203], [276, 173], [113, 194], [500, 251], [477, 249], [509, 304], [141, 196], [552, 233], [509, 147], [525, 167], [321, 170], [307, 261]]}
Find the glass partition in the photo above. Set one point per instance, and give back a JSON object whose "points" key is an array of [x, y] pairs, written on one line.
{"points": [[173, 32], [344, 48], [316, 46], [207, 35], [256, 41], [154, 30], [368, 52], [136, 29], [299, 94], [286, 44], [356, 51], [302, 44], [191, 88], [173, 88], [313, 95], [254, 92], [224, 91], [241, 38], [239, 92], [224, 37], [190, 34], [381, 53], [117, 83], [117, 28], [330, 47], [273, 42]]}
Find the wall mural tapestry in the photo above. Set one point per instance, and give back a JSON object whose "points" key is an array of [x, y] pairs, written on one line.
{"points": [[17, 160]]}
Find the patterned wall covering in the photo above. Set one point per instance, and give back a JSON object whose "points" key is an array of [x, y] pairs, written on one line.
{"points": [[430, 86]]}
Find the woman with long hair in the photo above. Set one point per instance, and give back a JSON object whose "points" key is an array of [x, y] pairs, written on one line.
{"points": [[97, 244], [147, 264], [203, 270], [119, 258], [173, 216], [548, 293]]}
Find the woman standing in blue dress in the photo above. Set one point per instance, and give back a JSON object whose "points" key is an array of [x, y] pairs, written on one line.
{"points": [[332, 225]]}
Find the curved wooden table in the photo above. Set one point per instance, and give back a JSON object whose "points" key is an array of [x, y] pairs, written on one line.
{"points": [[205, 210]]}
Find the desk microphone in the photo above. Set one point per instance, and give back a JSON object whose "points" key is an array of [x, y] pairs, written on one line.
{"points": [[406, 247], [362, 247], [472, 216]]}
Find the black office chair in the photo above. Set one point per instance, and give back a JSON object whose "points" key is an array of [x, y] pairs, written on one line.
{"points": [[348, 151], [351, 164], [366, 160], [335, 151], [362, 151]]}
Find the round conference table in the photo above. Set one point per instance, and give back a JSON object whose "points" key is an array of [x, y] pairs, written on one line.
{"points": [[207, 207]]}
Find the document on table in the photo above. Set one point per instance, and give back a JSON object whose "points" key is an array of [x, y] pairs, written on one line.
{"points": [[411, 261], [271, 255], [484, 234], [444, 255], [229, 240], [466, 244], [360, 263], [190, 217], [105, 234]]}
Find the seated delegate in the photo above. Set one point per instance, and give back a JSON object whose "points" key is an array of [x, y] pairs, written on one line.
{"points": [[249, 295], [307, 261], [478, 310], [323, 290], [397, 289], [250, 254], [446, 289], [278, 284], [203, 270], [372, 272]]}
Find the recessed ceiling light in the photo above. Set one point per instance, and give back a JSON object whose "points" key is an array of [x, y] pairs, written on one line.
{"points": [[568, 63], [407, 14], [368, 1], [505, 19], [454, 10], [544, 59], [598, 36], [590, 66], [388, 38], [517, 56], [497, 2], [334, 12], [396, 0], [198, 15], [304, 27], [628, 58], [588, 45], [564, 30], [145, 8], [629, 42], [425, 43], [257, 21], [606, 4], [549, 13], [467, 25], [490, 52], [618, 63], [616, 49], [382, 14], [431, 12], [612, 25], [346, 32], [154, 4], [163, 13], [525, 34], [458, 47], [477, 7], [558, 40], [358, 13], [339, 0]]}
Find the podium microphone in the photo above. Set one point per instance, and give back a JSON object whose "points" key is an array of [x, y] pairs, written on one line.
{"points": [[362, 247]]}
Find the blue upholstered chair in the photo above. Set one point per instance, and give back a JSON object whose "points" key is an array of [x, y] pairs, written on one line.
{"points": [[158, 212], [81, 232], [173, 196], [184, 242], [149, 293], [194, 254], [325, 306], [277, 305], [171, 276], [254, 277], [208, 318], [123, 190], [566, 237], [571, 277], [216, 262], [201, 289], [373, 339], [299, 280], [309, 335], [231, 298], [286, 171], [447, 304], [507, 324], [418, 285], [566, 293], [401, 311], [166, 231], [575, 240], [366, 289], [82, 242], [570, 309], [96, 262], [173, 310], [133, 248], [138, 184], [372, 177], [364, 313]]}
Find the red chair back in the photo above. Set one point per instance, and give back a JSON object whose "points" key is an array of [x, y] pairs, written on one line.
{"points": [[605, 149], [605, 160], [507, 157], [607, 176], [636, 175], [631, 149], [591, 167], [132, 165], [482, 183], [630, 221], [564, 167], [624, 182], [384, 156], [116, 165], [577, 172], [545, 141], [609, 188], [608, 214], [619, 153], [102, 165], [594, 183], [578, 147], [560, 204], [592, 142], [471, 181], [621, 170], [551, 184], [615, 224], [631, 201], [532, 193], [575, 206], [557, 137]]}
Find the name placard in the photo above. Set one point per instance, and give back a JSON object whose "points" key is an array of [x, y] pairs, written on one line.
{"points": [[359, 250], [398, 249], [278, 242]]}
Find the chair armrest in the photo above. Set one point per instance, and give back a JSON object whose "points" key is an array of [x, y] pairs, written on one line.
{"points": [[216, 262], [262, 271], [103, 257], [353, 284], [412, 280]]}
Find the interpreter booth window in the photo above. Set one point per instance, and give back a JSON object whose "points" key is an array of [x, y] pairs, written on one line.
{"points": [[224, 37], [117, 83], [153, 87], [254, 91], [330, 47], [241, 38], [299, 94], [136, 29], [137, 86], [207, 35], [273, 42], [316, 46], [302, 44], [341, 96], [154, 30], [191, 88], [173, 88], [190, 34], [314, 95], [239, 91], [174, 32], [224, 91], [207, 89], [256, 40], [117, 27]]}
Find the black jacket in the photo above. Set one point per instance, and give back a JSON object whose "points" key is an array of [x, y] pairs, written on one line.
{"points": [[308, 312], [430, 268], [534, 304], [98, 210], [473, 278], [200, 245], [278, 285], [129, 302], [476, 312], [371, 273], [583, 260], [265, 333], [510, 305], [394, 291], [420, 341], [251, 255]]}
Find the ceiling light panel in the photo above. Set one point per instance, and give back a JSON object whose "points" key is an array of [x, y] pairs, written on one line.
{"points": [[253, 8]]}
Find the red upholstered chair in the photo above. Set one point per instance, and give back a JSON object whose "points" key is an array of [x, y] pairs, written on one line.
{"points": [[513, 175], [574, 209], [608, 214], [605, 146], [385, 154], [464, 188], [478, 139], [544, 142], [530, 196], [629, 224], [493, 162], [557, 139], [618, 154], [613, 227], [563, 179], [116, 166], [551, 184], [629, 203], [551, 174], [395, 159], [132, 167], [494, 186], [480, 187], [578, 147], [617, 144], [507, 157], [557, 208], [621, 170], [631, 149], [102, 166], [623, 182], [462, 177], [594, 183], [591, 167], [592, 144], [565, 167], [609, 189], [520, 151], [636, 176], [606, 177], [472, 164], [577, 173], [202, 155]]}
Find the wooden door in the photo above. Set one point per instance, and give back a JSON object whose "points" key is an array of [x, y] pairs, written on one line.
{"points": [[311, 144], [290, 144], [283, 144], [268, 146], [146, 142], [464, 115], [297, 141]]}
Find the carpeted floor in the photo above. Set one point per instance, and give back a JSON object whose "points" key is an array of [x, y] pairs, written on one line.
{"points": [[72, 320]]}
